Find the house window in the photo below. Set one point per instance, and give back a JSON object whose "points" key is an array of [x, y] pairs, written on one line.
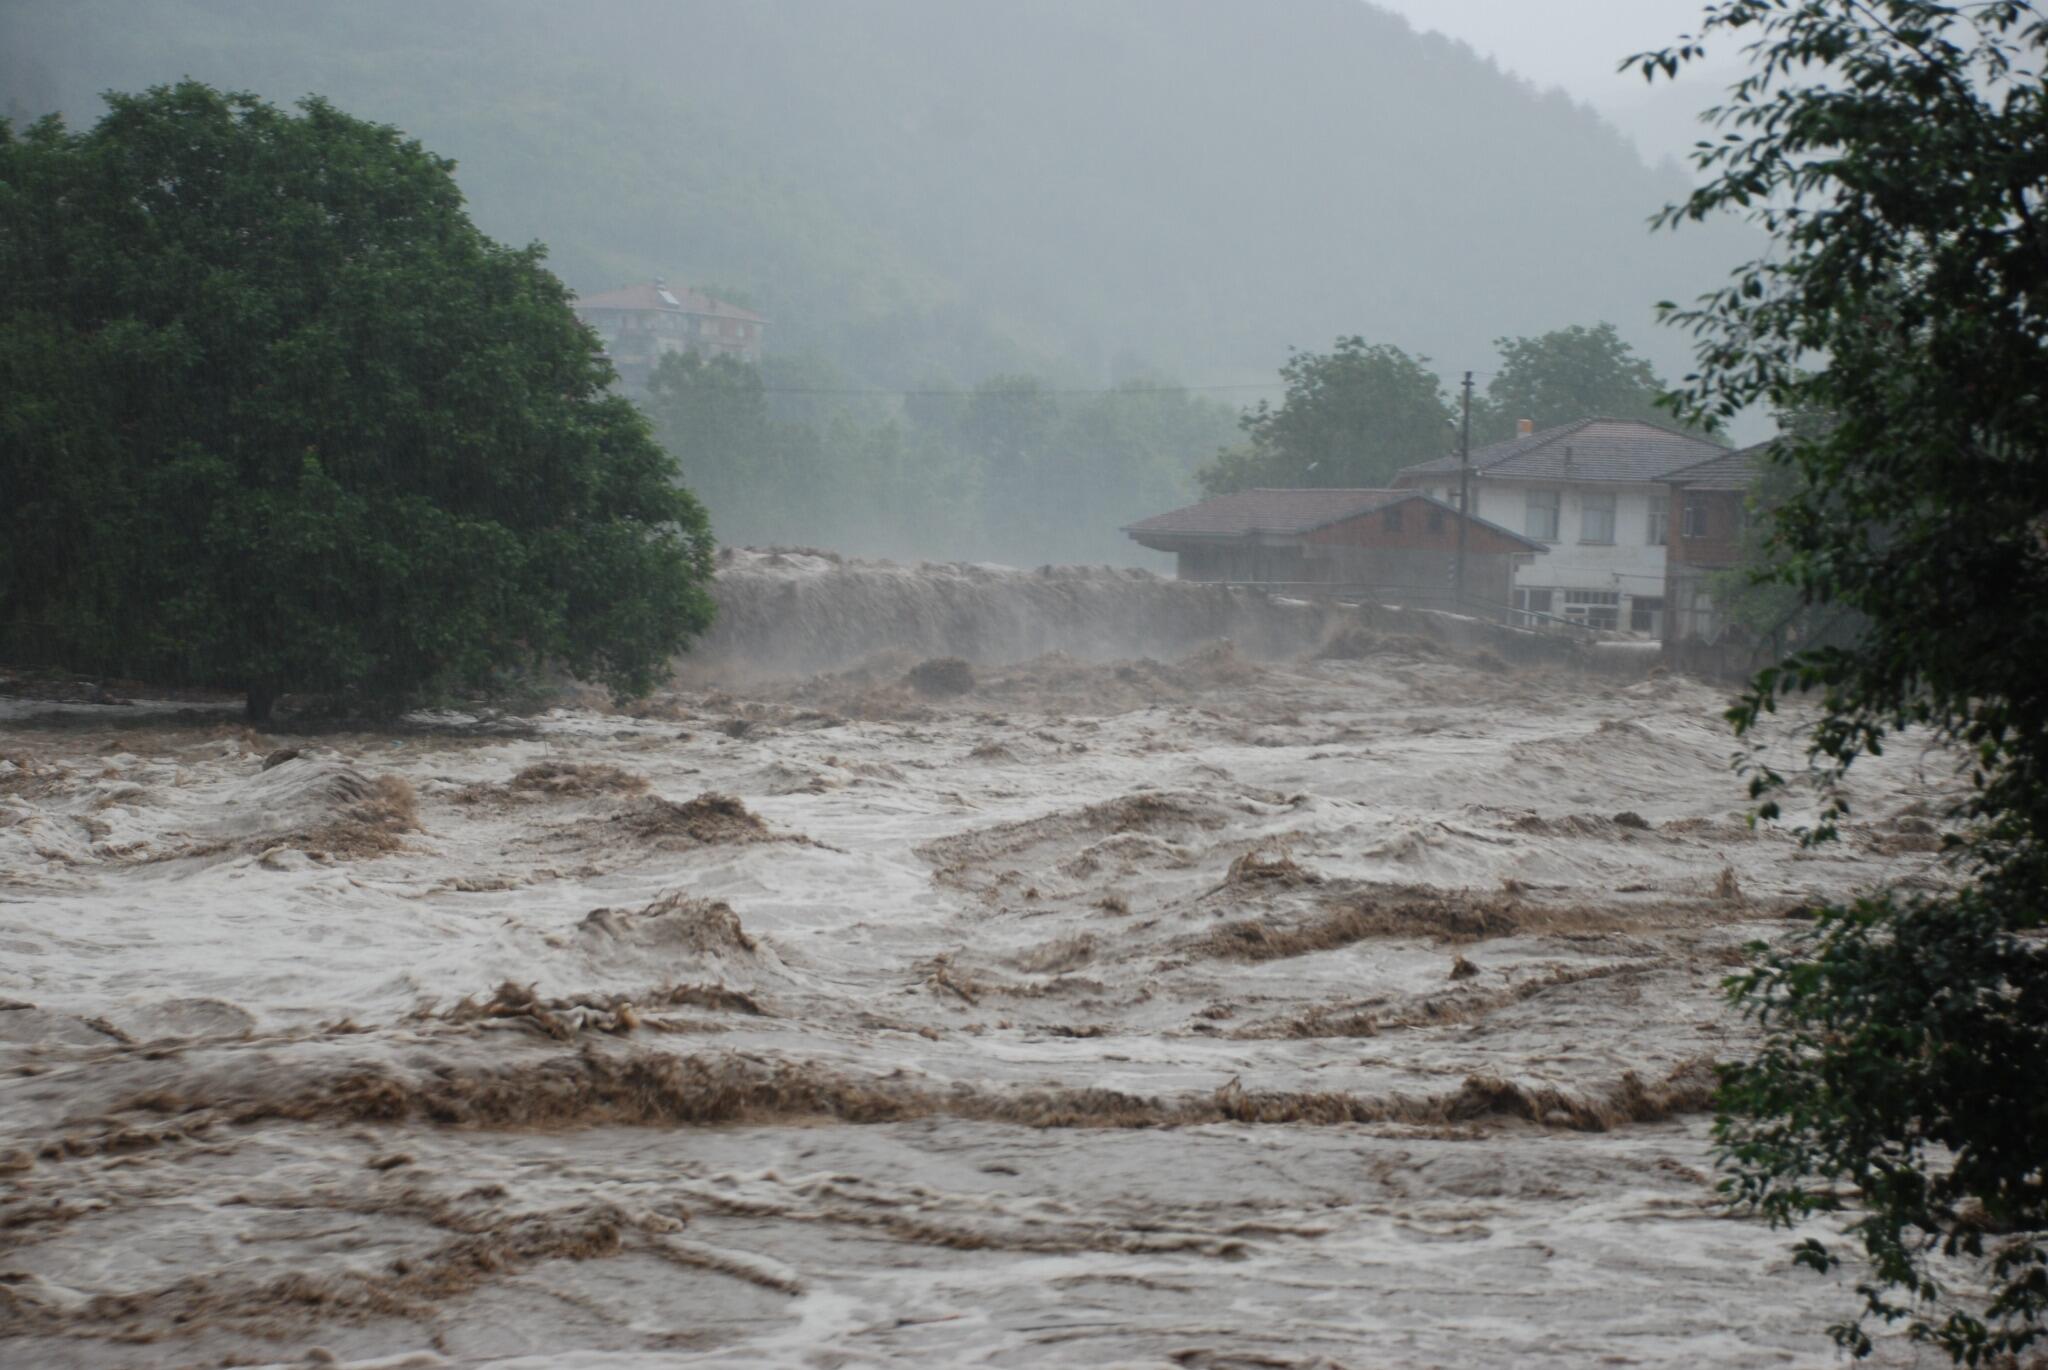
{"points": [[1532, 607], [1436, 519], [1660, 524], [1695, 517], [1390, 518], [1593, 608], [1701, 616], [1596, 518], [1645, 614], [1541, 521]]}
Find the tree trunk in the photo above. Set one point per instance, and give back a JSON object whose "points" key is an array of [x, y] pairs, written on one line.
{"points": [[260, 701]]}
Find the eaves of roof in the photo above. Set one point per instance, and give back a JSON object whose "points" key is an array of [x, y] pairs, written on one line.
{"points": [[1187, 530], [1605, 450], [1729, 471]]}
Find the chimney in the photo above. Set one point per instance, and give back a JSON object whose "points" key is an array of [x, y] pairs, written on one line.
{"points": [[1524, 427]]}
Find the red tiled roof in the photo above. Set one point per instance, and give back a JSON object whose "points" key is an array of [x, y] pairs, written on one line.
{"points": [[1729, 471], [1627, 451], [646, 295], [1285, 513], [1267, 511]]}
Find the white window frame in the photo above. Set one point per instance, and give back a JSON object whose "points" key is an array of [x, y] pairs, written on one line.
{"points": [[1546, 502], [1593, 608], [1596, 502], [1527, 614]]}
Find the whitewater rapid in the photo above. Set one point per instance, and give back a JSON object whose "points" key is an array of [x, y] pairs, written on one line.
{"points": [[1206, 1012]]}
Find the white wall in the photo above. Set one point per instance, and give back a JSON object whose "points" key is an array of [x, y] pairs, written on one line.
{"points": [[1629, 565]]}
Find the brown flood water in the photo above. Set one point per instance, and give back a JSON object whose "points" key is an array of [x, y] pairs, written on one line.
{"points": [[1217, 1014]]}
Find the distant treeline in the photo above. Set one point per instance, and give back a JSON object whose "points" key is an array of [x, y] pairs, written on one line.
{"points": [[911, 188], [1017, 470], [1012, 470]]}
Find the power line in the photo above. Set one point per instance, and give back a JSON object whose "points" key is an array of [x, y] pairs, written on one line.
{"points": [[970, 394], [1464, 483], [1133, 390]]}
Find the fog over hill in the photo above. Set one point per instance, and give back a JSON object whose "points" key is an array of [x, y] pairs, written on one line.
{"points": [[924, 189]]}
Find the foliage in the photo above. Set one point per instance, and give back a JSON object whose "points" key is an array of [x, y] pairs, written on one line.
{"points": [[1008, 470], [1060, 474], [1352, 417], [1755, 594], [892, 186], [1897, 151], [1566, 375], [712, 416], [1009, 430], [279, 417], [1165, 431]]}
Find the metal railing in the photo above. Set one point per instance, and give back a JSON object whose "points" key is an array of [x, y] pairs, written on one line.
{"points": [[1432, 596]]}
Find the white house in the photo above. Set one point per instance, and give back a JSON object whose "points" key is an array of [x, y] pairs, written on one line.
{"points": [[641, 323], [1590, 490]]}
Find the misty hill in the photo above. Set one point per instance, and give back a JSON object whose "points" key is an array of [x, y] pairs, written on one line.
{"points": [[927, 188]]}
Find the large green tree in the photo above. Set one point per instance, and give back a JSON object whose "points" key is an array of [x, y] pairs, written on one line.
{"points": [[1352, 416], [759, 473], [1566, 375], [1897, 152], [274, 415]]}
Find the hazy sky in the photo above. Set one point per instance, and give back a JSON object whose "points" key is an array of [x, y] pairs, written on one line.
{"points": [[1576, 45]]}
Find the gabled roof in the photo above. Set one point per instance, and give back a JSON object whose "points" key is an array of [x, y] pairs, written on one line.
{"points": [[1287, 513], [669, 299], [1267, 511], [1620, 451], [1729, 471]]}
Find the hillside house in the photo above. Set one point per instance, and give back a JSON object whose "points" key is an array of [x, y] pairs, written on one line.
{"points": [[1397, 546], [1591, 493], [641, 323], [1708, 510]]}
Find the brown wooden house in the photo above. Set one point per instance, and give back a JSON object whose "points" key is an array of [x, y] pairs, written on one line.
{"points": [[1398, 546], [1709, 509]]}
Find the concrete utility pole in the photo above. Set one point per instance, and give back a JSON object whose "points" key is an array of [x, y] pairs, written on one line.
{"points": [[1464, 492]]}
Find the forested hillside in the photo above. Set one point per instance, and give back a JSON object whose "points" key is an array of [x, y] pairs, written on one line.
{"points": [[918, 190]]}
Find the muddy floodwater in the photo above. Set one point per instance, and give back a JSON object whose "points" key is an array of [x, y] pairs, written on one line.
{"points": [[1348, 1011]]}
